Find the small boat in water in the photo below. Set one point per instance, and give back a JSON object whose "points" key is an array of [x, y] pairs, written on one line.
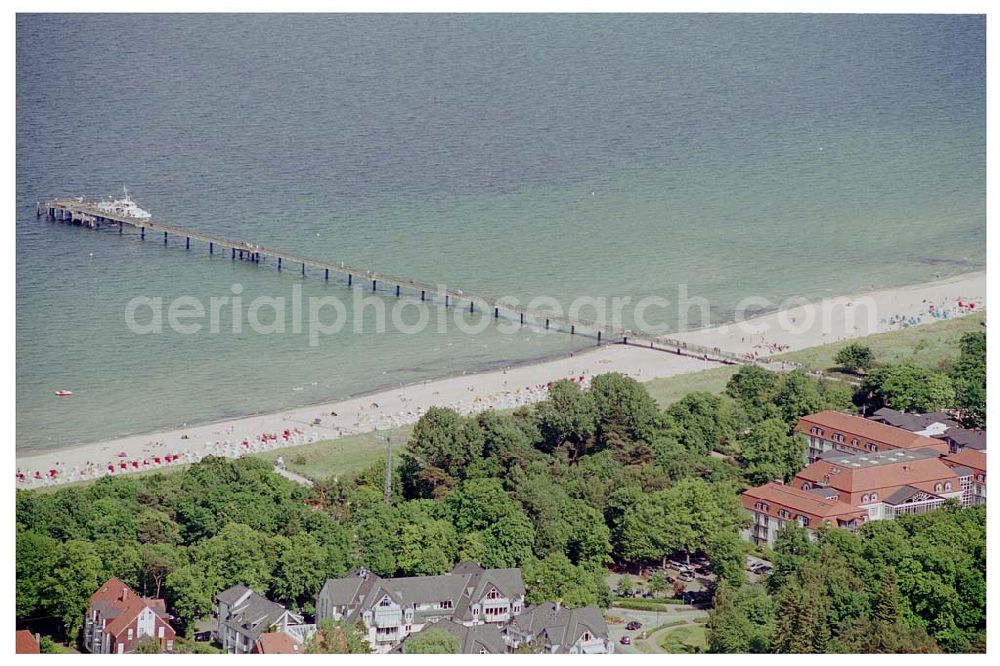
{"points": [[64, 394]]}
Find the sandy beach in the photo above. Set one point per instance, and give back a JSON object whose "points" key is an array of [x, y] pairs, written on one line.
{"points": [[787, 330]]}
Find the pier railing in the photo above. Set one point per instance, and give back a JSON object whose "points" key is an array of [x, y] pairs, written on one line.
{"points": [[76, 209]]}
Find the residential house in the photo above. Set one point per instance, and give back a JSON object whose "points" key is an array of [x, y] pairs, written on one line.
{"points": [[970, 466], [118, 618], [26, 643], [278, 642], [552, 629], [844, 433], [930, 424], [774, 504], [474, 639], [391, 609], [960, 439], [938, 425], [243, 616]]}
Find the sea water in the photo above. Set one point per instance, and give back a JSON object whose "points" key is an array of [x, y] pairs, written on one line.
{"points": [[521, 156]]}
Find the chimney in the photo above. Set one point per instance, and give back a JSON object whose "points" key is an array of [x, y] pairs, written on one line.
{"points": [[124, 593], [779, 482]]}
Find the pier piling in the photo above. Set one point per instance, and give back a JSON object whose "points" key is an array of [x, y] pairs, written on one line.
{"points": [[94, 215]]}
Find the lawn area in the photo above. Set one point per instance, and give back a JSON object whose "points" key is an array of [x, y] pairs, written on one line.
{"points": [[336, 457], [688, 639], [668, 390], [928, 345]]}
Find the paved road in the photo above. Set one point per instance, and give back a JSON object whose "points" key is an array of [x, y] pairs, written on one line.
{"points": [[292, 476], [649, 620]]}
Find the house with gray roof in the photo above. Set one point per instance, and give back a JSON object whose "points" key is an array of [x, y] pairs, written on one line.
{"points": [[393, 608], [938, 425], [552, 629], [474, 639], [242, 616]]}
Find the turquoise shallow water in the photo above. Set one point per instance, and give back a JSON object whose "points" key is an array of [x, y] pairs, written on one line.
{"points": [[506, 155]]}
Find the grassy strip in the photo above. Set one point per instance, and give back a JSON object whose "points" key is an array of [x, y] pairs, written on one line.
{"points": [[685, 640], [336, 457], [648, 605], [668, 390], [928, 345]]}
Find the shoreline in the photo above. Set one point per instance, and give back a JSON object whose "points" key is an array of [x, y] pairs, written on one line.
{"points": [[511, 385]]}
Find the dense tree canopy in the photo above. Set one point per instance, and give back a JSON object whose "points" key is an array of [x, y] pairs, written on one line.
{"points": [[915, 584], [969, 379], [560, 489], [906, 388]]}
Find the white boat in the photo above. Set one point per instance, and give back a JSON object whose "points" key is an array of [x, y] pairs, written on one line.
{"points": [[124, 206]]}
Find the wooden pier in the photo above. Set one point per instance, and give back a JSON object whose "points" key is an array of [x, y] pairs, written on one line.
{"points": [[86, 213]]}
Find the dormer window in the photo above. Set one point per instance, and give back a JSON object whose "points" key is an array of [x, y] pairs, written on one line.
{"points": [[806, 486], [803, 521], [586, 637], [947, 486], [385, 603], [937, 487], [493, 594], [444, 604], [865, 499], [874, 497]]}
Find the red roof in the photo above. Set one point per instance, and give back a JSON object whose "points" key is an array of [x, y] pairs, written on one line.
{"points": [[872, 431], [25, 642], [777, 495], [847, 479], [121, 605], [277, 642], [971, 458]]}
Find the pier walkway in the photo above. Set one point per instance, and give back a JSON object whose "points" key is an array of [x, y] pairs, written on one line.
{"points": [[86, 213]]}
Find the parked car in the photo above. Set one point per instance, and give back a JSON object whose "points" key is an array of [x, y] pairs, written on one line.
{"points": [[686, 576], [633, 626], [625, 640]]}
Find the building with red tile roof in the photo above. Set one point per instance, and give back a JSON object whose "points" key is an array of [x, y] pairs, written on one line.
{"points": [[835, 431], [874, 480], [26, 643], [970, 466], [775, 504], [277, 642], [118, 618]]}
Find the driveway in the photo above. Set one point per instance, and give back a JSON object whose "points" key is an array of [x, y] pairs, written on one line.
{"points": [[652, 621]]}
